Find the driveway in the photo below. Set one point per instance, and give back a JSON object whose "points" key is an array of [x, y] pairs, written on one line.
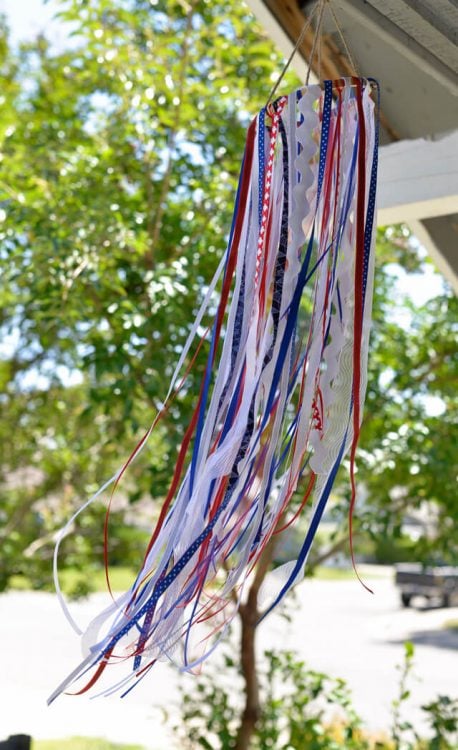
{"points": [[337, 627], [341, 629]]}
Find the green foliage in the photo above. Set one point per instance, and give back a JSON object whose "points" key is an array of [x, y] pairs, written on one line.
{"points": [[389, 550], [443, 718], [407, 458], [296, 704], [401, 727], [211, 712], [441, 714], [302, 708]]}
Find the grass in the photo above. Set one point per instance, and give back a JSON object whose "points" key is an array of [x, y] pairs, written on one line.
{"points": [[324, 573], [76, 583], [121, 579], [81, 743], [451, 625]]}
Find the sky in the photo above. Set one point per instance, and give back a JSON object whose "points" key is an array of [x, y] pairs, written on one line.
{"points": [[29, 17]]}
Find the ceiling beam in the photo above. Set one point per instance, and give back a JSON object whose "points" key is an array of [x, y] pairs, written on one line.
{"points": [[418, 179], [420, 230], [379, 24], [284, 21]]}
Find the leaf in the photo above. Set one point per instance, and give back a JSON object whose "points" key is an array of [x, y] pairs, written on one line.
{"points": [[409, 649]]}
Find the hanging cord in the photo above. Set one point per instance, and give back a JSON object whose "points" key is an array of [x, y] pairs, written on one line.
{"points": [[344, 41], [319, 6], [320, 39], [300, 39], [316, 39]]}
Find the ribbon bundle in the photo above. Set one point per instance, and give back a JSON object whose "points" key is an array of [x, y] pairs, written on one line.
{"points": [[284, 400]]}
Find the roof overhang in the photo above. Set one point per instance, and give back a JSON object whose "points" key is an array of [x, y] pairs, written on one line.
{"points": [[410, 47]]}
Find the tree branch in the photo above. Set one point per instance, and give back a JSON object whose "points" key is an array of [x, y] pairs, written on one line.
{"points": [[249, 616]]}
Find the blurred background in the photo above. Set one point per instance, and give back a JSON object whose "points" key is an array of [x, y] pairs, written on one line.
{"points": [[122, 127]]}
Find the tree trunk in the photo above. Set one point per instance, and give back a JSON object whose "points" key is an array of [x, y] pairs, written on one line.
{"points": [[251, 711], [249, 616]]}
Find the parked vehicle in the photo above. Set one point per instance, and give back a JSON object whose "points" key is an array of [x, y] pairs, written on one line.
{"points": [[439, 582]]}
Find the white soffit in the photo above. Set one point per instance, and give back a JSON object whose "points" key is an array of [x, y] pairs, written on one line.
{"points": [[411, 47], [418, 179]]}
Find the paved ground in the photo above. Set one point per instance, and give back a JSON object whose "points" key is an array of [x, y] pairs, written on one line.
{"points": [[337, 627], [343, 630]]}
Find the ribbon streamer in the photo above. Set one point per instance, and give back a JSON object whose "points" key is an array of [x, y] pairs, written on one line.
{"points": [[283, 400]]}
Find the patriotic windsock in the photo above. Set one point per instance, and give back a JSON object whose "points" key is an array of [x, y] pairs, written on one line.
{"points": [[282, 393]]}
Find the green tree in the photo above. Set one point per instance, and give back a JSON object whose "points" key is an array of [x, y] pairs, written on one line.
{"points": [[119, 157], [409, 440]]}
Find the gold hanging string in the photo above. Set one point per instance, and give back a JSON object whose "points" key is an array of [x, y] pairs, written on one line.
{"points": [[320, 7], [320, 39], [344, 41], [316, 38], [295, 48]]}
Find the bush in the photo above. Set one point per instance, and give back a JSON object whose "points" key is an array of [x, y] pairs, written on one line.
{"points": [[302, 709]]}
